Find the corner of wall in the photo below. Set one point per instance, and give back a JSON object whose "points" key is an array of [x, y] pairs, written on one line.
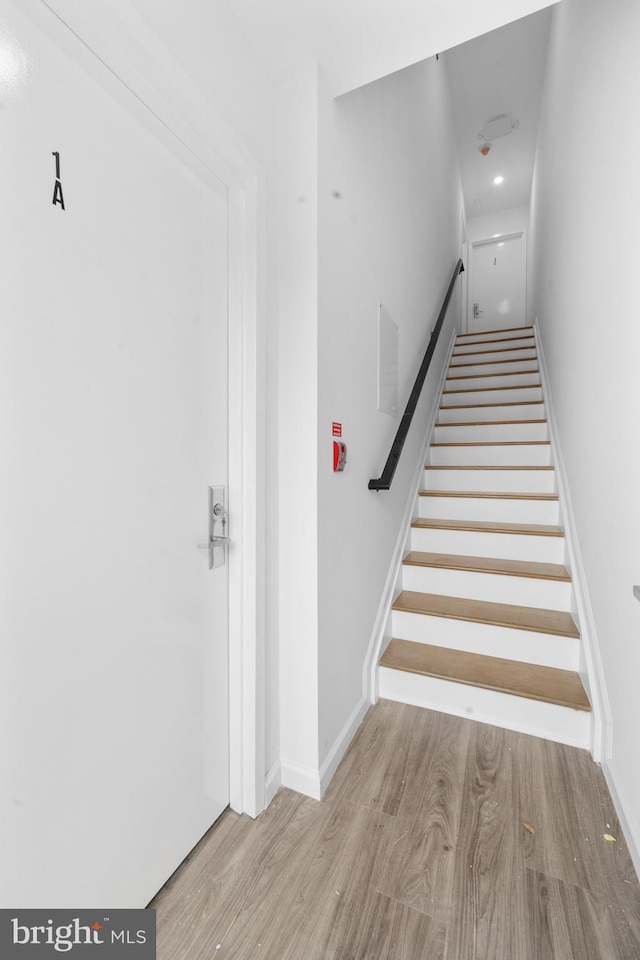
{"points": [[342, 743], [305, 780], [272, 783], [297, 365]]}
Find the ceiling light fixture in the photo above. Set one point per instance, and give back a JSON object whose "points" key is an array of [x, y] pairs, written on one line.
{"points": [[498, 179], [499, 126]]}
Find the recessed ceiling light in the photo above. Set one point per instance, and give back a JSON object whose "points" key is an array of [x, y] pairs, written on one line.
{"points": [[498, 179], [497, 235]]}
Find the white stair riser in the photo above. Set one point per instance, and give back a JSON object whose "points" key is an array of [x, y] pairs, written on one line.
{"points": [[483, 335], [512, 342], [528, 411], [502, 546], [509, 481], [489, 508], [536, 454], [470, 433], [533, 717], [469, 369], [525, 645], [483, 354], [494, 588], [514, 394], [465, 382]]}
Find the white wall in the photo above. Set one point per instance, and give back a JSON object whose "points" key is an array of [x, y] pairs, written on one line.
{"points": [[390, 220], [295, 487], [512, 220], [584, 265]]}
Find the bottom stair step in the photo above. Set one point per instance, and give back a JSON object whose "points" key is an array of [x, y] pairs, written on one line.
{"points": [[548, 684]]}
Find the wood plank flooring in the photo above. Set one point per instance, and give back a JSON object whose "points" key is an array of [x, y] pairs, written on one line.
{"points": [[419, 851]]}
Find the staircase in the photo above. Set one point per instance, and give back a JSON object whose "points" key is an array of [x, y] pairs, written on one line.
{"points": [[483, 626]]}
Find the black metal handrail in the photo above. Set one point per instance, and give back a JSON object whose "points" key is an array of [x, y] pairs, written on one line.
{"points": [[384, 481]]}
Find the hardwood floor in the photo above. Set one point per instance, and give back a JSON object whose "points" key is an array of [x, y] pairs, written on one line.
{"points": [[439, 839]]}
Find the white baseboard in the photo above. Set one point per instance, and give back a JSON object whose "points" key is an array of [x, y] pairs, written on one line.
{"points": [[313, 783], [272, 784], [628, 823], [304, 780], [341, 745], [601, 741], [369, 680]]}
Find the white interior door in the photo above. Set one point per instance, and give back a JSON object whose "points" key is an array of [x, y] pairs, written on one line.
{"points": [[113, 415], [498, 282]]}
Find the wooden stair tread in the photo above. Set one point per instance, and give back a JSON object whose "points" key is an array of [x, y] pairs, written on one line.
{"points": [[485, 423], [536, 619], [481, 376], [487, 363], [484, 406], [483, 466], [482, 343], [490, 526], [512, 568], [488, 494], [548, 684], [493, 443], [472, 343], [482, 333], [517, 386]]}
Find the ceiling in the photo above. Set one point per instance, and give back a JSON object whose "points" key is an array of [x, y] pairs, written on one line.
{"points": [[499, 73], [358, 41]]}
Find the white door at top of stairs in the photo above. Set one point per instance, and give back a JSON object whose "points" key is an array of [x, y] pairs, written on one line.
{"points": [[497, 284]]}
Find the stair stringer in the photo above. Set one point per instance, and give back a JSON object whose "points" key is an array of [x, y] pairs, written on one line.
{"points": [[381, 632], [591, 670]]}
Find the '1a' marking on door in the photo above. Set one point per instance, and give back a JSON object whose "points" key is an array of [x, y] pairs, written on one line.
{"points": [[57, 190]]}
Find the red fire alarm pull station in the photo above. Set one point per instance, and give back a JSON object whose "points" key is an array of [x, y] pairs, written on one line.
{"points": [[339, 456]]}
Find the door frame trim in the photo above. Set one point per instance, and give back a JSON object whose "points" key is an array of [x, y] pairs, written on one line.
{"points": [[136, 59], [484, 243]]}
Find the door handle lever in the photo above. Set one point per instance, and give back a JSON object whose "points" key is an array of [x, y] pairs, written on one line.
{"points": [[218, 519], [205, 546]]}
